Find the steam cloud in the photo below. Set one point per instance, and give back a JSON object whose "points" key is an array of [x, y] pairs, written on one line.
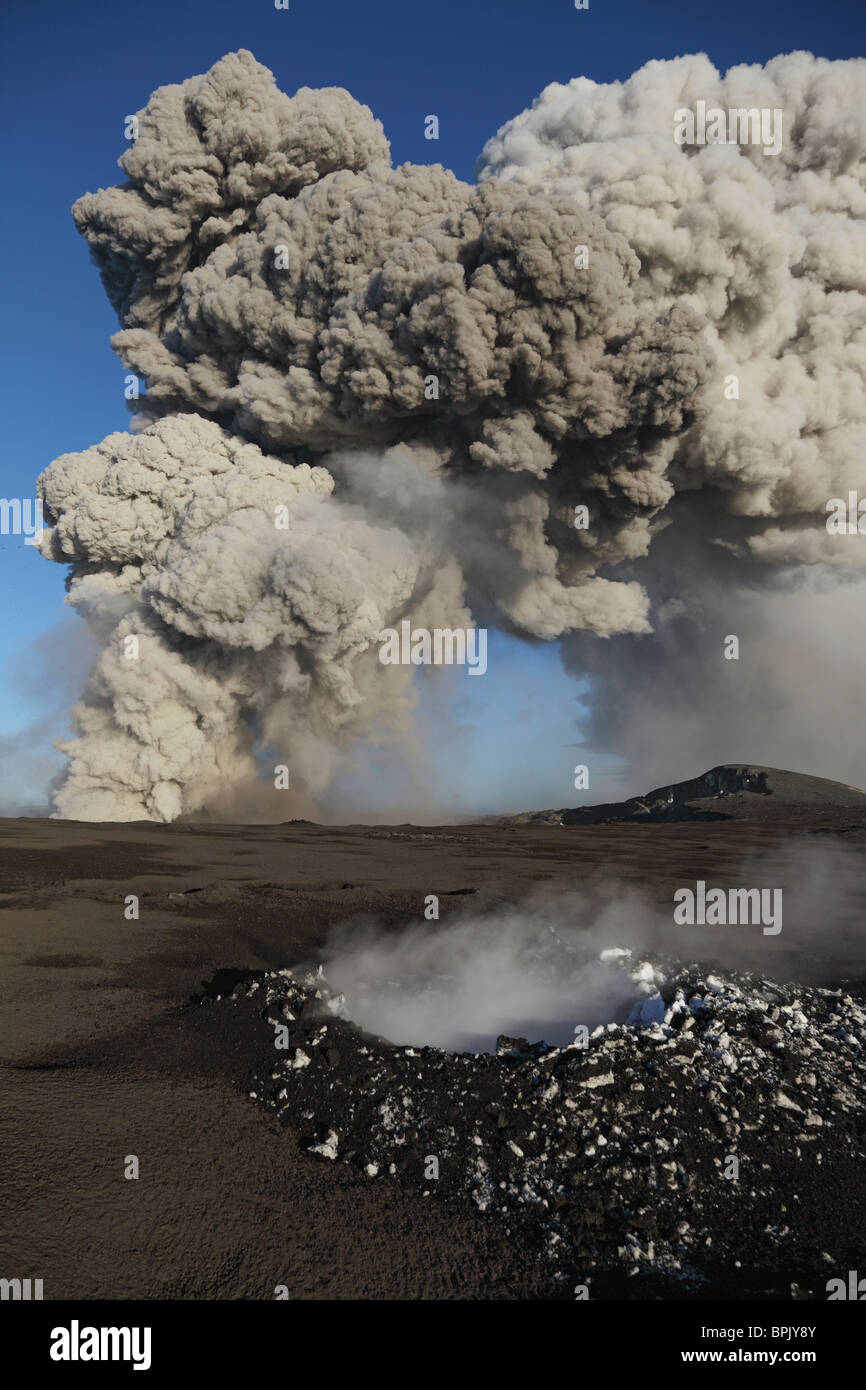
{"points": [[537, 970], [420, 373], [560, 959]]}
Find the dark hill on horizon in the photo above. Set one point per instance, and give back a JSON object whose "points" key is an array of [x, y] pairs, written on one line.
{"points": [[730, 791]]}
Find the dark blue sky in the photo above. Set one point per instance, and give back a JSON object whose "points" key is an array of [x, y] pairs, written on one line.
{"points": [[71, 72]]}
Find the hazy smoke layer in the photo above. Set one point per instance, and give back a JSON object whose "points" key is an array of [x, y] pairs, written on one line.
{"points": [[438, 374]]}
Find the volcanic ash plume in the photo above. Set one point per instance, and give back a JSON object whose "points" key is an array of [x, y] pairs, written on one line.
{"points": [[427, 378], [771, 250]]}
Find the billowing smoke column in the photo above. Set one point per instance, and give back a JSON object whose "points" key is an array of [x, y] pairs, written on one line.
{"points": [[426, 379], [770, 249]]}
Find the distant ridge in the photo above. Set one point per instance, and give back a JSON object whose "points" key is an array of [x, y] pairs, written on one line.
{"points": [[730, 791]]}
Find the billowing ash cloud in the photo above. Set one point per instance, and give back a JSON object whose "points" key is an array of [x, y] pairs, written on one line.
{"points": [[430, 377], [770, 249]]}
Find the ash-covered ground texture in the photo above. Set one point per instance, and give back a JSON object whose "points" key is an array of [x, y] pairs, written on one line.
{"points": [[113, 1042], [612, 1156]]}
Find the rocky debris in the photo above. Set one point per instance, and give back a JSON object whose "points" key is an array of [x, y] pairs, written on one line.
{"points": [[657, 1151]]}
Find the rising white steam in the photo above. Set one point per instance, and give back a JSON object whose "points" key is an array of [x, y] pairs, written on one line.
{"points": [[459, 987], [562, 960]]}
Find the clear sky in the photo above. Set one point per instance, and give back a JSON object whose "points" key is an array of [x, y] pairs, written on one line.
{"points": [[72, 72]]}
